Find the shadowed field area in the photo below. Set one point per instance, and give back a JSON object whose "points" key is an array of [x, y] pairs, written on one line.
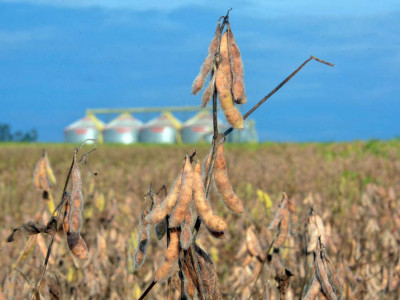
{"points": [[354, 187]]}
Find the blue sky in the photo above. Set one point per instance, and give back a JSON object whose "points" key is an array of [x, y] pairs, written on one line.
{"points": [[58, 58]]}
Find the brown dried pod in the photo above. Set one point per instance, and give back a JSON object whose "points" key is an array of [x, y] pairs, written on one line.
{"points": [[143, 240], [283, 230], [171, 258], [225, 65], [190, 288], [242, 251], [237, 69], [203, 207], [43, 176], [185, 195], [208, 92], [283, 208], [223, 81], [77, 245], [252, 242], [223, 185], [315, 231], [322, 275], [332, 275], [159, 212], [186, 230], [208, 274], [206, 67], [76, 201], [314, 289]]}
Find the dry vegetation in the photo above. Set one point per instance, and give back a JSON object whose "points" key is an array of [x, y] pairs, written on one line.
{"points": [[352, 187], [331, 209]]}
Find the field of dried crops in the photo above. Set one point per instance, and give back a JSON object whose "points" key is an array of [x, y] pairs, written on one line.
{"points": [[353, 187]]}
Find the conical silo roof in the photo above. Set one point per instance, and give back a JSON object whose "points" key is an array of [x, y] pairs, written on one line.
{"points": [[124, 129], [198, 128], [163, 129], [88, 127]]}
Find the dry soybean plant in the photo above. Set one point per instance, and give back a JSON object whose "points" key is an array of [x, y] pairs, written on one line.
{"points": [[189, 194], [71, 203], [179, 212]]}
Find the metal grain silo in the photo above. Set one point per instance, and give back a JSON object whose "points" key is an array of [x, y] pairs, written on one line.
{"points": [[246, 135], [123, 130], [88, 127], [200, 128], [163, 129]]}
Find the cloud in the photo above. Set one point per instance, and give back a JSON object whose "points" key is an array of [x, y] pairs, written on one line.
{"points": [[11, 38]]}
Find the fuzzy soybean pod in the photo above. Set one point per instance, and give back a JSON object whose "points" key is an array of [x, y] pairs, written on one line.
{"points": [[186, 230], [185, 195], [76, 243], [283, 230], [208, 92], [171, 258], [232, 114], [237, 69], [159, 212], [143, 240], [203, 207], [223, 82], [225, 65], [252, 242], [223, 185], [199, 81]]}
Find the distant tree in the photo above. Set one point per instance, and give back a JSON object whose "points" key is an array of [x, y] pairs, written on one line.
{"points": [[18, 136], [5, 134]]}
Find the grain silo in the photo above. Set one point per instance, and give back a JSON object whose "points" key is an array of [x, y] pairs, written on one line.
{"points": [[122, 130], [163, 129], [88, 127], [200, 128], [246, 135]]}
